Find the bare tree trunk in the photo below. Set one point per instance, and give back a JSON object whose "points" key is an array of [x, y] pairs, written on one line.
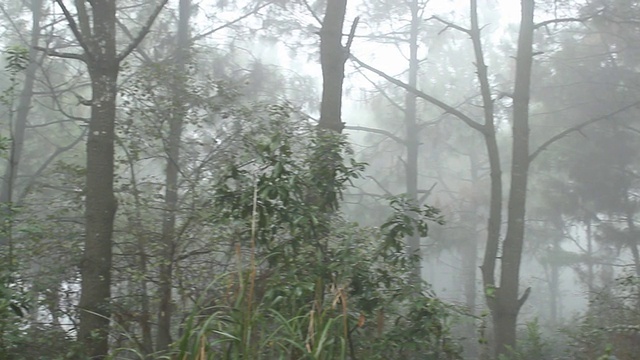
{"points": [[413, 135], [507, 298], [142, 239], [96, 34], [469, 252], [100, 202], [171, 180], [554, 290], [333, 56], [18, 129]]}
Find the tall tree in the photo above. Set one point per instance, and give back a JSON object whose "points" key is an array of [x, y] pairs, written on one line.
{"points": [[506, 302], [95, 30], [19, 125], [173, 144], [503, 298]]}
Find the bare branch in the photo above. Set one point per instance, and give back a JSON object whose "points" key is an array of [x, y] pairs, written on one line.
{"points": [[450, 25], [54, 123], [382, 92], [352, 33], [387, 192], [577, 128], [74, 28], [524, 297], [59, 150], [313, 13], [377, 131], [126, 31], [230, 23], [426, 193], [143, 32], [562, 20], [442, 105], [49, 52]]}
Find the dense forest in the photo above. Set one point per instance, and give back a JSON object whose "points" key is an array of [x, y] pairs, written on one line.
{"points": [[320, 179]]}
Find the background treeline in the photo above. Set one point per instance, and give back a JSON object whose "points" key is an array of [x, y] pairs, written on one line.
{"points": [[375, 179]]}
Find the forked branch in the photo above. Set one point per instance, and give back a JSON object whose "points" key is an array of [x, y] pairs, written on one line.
{"points": [[143, 32], [76, 31], [439, 103]]}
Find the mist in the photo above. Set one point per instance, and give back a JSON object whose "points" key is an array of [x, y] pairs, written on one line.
{"points": [[319, 179]]}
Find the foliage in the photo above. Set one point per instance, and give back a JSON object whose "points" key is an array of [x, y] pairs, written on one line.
{"points": [[532, 346], [610, 327], [308, 284]]}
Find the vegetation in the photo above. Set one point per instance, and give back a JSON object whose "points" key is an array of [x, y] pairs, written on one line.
{"points": [[331, 179]]}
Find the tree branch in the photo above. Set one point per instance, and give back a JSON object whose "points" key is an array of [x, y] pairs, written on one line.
{"points": [[578, 127], [49, 52], [524, 297], [562, 20], [442, 105], [74, 28], [34, 177], [313, 13], [387, 192], [143, 32], [382, 92], [426, 193], [126, 31], [450, 25], [352, 33], [377, 131], [236, 20]]}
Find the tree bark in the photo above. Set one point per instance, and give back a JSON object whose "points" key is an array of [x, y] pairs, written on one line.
{"points": [[413, 136], [333, 56], [96, 34], [507, 298], [172, 179], [100, 202]]}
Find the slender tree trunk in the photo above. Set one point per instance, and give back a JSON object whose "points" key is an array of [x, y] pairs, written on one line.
{"points": [[632, 241], [469, 252], [413, 135], [508, 300], [590, 265], [19, 126], [494, 221], [142, 240], [172, 179]]}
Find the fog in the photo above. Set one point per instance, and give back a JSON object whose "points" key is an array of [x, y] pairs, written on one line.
{"points": [[319, 179]]}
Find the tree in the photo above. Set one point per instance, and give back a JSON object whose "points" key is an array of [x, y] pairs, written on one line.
{"points": [[172, 171], [95, 31], [19, 124], [502, 298]]}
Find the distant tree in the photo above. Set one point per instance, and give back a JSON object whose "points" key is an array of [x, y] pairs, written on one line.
{"points": [[503, 297]]}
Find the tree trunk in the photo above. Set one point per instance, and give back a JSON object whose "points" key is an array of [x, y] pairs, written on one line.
{"points": [[19, 126], [494, 221], [171, 180], [332, 59], [100, 202], [96, 34], [413, 136], [469, 252], [508, 300]]}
